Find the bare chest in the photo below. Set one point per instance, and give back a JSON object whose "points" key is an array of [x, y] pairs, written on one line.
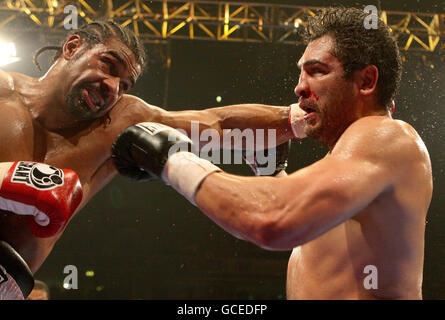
{"points": [[85, 154], [337, 258]]}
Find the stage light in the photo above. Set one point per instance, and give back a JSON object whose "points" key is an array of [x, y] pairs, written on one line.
{"points": [[8, 54], [89, 273]]}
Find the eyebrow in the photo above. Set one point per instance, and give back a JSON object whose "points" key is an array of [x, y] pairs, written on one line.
{"points": [[311, 63], [121, 60]]}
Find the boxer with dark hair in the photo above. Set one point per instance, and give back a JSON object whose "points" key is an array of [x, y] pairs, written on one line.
{"points": [[61, 120], [355, 220]]}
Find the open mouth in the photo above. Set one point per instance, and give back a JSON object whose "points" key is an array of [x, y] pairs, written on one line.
{"points": [[310, 112], [92, 99], [307, 109]]}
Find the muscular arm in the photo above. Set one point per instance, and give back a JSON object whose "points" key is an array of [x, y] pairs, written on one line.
{"points": [[242, 116], [281, 214]]}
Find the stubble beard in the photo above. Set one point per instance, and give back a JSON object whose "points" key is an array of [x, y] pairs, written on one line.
{"points": [[77, 106], [332, 121]]}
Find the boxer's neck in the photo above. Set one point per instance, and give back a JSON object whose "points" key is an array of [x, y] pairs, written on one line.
{"points": [[332, 141]]}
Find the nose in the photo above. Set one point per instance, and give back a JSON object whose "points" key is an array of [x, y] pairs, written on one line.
{"points": [[110, 86], [302, 88]]}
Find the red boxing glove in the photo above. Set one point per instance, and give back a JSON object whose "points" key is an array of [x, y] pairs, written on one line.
{"points": [[47, 194]]}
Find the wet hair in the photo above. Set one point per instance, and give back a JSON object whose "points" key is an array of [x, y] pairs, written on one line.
{"points": [[100, 32], [356, 46]]}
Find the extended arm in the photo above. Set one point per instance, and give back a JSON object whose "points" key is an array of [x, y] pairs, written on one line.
{"points": [[220, 119], [273, 213]]}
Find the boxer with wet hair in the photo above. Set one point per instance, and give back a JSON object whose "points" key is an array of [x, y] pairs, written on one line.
{"points": [[69, 118], [359, 210]]}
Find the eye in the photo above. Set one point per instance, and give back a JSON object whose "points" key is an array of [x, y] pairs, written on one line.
{"points": [[125, 86], [316, 71], [106, 64]]}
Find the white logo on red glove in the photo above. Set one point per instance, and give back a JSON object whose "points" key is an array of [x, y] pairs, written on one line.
{"points": [[38, 175]]}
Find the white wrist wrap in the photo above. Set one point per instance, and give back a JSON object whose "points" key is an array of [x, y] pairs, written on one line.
{"points": [[185, 171], [295, 121]]}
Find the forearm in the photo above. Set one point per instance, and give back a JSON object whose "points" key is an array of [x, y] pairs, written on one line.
{"points": [[267, 124], [255, 116], [262, 121], [249, 208]]}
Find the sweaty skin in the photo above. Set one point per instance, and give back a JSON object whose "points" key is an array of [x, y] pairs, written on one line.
{"points": [[362, 206], [37, 124]]}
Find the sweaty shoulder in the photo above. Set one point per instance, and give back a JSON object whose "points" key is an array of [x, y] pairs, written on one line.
{"points": [[11, 105], [383, 140], [135, 110], [16, 130]]}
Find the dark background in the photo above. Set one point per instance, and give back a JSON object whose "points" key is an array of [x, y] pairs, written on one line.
{"points": [[144, 241]]}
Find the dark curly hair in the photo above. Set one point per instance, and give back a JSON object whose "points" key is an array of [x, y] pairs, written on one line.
{"points": [[356, 46], [99, 32]]}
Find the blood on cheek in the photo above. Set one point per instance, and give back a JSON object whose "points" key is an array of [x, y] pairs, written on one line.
{"points": [[313, 96]]}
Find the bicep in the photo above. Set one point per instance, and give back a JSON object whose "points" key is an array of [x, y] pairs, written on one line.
{"points": [[330, 192]]}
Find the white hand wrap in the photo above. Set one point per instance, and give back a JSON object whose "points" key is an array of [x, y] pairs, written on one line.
{"points": [[185, 171], [296, 121]]}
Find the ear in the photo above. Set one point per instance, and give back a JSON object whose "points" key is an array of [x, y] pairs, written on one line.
{"points": [[71, 46], [368, 78]]}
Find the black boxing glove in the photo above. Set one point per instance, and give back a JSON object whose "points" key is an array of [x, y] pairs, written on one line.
{"points": [[141, 150], [163, 153], [279, 153]]}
